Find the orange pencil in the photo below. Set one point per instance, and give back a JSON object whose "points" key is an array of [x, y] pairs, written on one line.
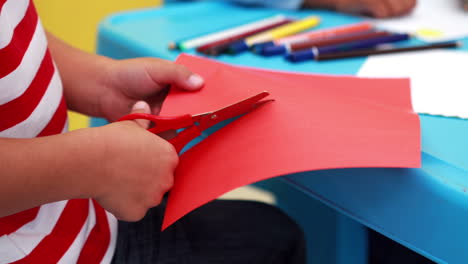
{"points": [[325, 33]]}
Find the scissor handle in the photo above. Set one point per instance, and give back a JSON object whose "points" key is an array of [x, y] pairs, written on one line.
{"points": [[162, 124], [184, 137]]}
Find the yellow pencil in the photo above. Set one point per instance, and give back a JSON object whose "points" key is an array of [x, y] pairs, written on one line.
{"points": [[285, 30]]}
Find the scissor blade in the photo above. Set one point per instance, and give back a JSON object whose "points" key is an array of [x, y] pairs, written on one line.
{"points": [[245, 106]]}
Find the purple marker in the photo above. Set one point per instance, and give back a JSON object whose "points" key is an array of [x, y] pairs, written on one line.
{"points": [[310, 54]]}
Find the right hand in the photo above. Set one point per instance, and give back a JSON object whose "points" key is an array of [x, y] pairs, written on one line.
{"points": [[136, 170], [375, 8]]}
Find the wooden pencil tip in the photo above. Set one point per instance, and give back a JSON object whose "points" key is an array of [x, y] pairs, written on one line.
{"points": [[459, 44], [172, 46]]}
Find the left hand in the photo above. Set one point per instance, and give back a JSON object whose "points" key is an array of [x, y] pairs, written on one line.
{"points": [[128, 81], [99, 86]]}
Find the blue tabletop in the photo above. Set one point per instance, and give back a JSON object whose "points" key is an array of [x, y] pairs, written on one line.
{"points": [[425, 209]]}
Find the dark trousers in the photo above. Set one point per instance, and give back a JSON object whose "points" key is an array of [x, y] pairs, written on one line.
{"points": [[386, 251], [219, 232]]}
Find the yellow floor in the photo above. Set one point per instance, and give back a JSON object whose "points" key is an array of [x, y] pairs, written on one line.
{"points": [[249, 193], [77, 120]]}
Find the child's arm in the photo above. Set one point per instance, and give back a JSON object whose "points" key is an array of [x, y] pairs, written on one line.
{"points": [[32, 172], [123, 166]]}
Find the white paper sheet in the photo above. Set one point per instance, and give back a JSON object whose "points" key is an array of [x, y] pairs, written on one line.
{"points": [[431, 20], [439, 79]]}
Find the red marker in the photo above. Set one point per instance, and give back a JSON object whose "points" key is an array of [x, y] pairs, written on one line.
{"points": [[325, 33]]}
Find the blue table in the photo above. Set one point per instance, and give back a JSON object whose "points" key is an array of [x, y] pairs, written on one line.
{"points": [[424, 209]]}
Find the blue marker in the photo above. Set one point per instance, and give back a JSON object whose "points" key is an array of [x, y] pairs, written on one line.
{"points": [[238, 47], [363, 44], [310, 54], [241, 46], [302, 55], [275, 50], [334, 40], [259, 47]]}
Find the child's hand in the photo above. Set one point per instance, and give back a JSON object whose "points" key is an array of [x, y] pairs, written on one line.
{"points": [[136, 169], [375, 8], [128, 169], [99, 86], [142, 79], [123, 166]]}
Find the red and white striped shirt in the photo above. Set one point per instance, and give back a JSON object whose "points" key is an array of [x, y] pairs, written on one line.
{"points": [[32, 105]]}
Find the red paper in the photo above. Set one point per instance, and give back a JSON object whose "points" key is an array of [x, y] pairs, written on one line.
{"points": [[316, 122]]}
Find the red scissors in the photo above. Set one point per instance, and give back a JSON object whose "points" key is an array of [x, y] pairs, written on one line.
{"points": [[193, 125]]}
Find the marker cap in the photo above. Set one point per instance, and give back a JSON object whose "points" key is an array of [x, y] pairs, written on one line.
{"points": [[238, 47], [258, 48], [273, 50], [299, 56]]}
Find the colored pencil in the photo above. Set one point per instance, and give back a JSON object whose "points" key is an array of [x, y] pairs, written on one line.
{"points": [[309, 54], [326, 33], [320, 34], [386, 50], [223, 34], [276, 33], [217, 50], [210, 47], [288, 48]]}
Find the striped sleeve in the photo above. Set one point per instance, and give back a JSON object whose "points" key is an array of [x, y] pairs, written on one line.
{"points": [[32, 104]]}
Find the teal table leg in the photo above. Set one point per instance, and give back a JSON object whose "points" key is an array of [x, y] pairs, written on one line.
{"points": [[96, 122], [351, 238], [332, 238]]}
